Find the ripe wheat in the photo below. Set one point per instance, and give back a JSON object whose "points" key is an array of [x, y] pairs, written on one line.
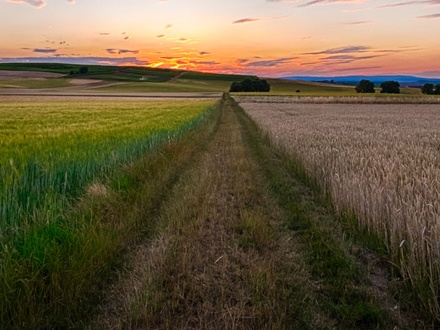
{"points": [[380, 162]]}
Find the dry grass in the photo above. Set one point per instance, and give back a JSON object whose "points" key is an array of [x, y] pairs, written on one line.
{"points": [[378, 99], [220, 260], [381, 163]]}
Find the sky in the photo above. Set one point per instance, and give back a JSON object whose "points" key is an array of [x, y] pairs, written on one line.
{"points": [[269, 38]]}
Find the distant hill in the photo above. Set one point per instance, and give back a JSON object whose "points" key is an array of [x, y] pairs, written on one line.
{"points": [[120, 73], [404, 80]]}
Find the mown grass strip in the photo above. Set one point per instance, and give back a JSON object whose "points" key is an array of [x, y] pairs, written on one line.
{"points": [[220, 258]]}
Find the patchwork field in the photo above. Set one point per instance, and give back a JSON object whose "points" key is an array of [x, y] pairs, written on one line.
{"points": [[379, 163]]}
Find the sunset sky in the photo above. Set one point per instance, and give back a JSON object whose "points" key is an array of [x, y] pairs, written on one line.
{"points": [[269, 38]]}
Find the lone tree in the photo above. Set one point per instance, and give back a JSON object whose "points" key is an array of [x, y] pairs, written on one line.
{"points": [[83, 70], [437, 89], [365, 86], [390, 87], [250, 85], [428, 89]]}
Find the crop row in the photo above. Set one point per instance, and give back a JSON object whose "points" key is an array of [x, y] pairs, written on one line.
{"points": [[380, 163], [51, 150], [58, 158]]}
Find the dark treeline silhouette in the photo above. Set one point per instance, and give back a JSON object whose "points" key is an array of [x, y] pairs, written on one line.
{"points": [[430, 89], [250, 85], [365, 86], [390, 87]]}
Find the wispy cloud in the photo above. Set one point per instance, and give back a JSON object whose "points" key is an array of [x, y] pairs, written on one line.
{"points": [[204, 62], [251, 19], [121, 51], [270, 63], [241, 61], [431, 16], [348, 58], [246, 20], [330, 2], [357, 23], [409, 3], [342, 50], [45, 50], [37, 3], [360, 68], [76, 60], [319, 2]]}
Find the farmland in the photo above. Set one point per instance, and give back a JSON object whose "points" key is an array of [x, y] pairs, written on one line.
{"points": [[52, 152], [47, 78], [380, 165], [137, 198]]}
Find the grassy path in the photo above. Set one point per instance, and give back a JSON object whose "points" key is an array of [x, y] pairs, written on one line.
{"points": [[240, 243]]}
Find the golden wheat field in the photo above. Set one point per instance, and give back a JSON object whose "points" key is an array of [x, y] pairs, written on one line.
{"points": [[380, 162]]}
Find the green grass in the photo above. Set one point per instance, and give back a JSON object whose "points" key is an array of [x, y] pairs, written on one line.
{"points": [[51, 152], [62, 144], [33, 83], [283, 87], [180, 85]]}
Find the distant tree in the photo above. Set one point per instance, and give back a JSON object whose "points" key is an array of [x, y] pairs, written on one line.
{"points": [[250, 85], [390, 87], [71, 72], [236, 87], [428, 89], [83, 70], [437, 89], [365, 86]]}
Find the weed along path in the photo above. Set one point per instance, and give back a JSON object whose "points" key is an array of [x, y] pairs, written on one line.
{"points": [[239, 243]]}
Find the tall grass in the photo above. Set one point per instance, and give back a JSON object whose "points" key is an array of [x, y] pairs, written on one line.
{"points": [[322, 98], [51, 152], [380, 163], [55, 148]]}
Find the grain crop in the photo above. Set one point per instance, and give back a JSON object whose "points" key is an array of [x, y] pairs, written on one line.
{"points": [[380, 163], [377, 99], [59, 159], [53, 148]]}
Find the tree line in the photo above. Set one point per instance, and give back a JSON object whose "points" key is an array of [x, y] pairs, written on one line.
{"points": [[430, 89], [250, 85], [82, 70], [393, 87], [389, 87]]}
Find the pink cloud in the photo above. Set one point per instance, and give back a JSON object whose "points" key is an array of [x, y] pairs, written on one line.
{"points": [[37, 3]]}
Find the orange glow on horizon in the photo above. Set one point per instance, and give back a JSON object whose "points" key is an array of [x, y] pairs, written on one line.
{"points": [[260, 37]]}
